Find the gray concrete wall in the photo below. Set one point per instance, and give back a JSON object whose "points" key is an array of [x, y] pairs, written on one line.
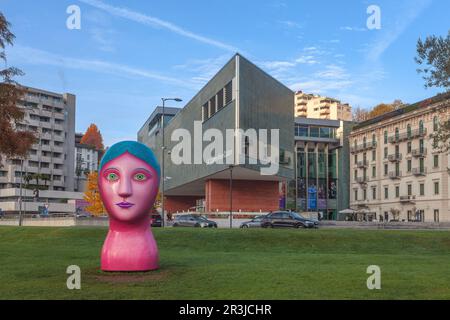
{"points": [[69, 144]]}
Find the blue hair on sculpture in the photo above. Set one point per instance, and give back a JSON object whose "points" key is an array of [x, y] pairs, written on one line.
{"points": [[137, 149]]}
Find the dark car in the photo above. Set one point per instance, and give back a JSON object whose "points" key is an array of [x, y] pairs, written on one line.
{"points": [[193, 221], [286, 219], [254, 223], [155, 220]]}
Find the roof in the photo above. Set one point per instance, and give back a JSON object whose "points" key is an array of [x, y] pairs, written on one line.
{"points": [[404, 110], [158, 111], [318, 122]]}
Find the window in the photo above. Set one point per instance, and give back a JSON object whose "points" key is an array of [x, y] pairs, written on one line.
{"points": [[422, 189], [205, 109], [397, 134], [421, 128], [364, 142], [385, 137], [220, 100], [374, 172], [386, 192], [436, 188], [436, 161], [356, 159], [374, 155], [408, 131], [374, 193], [409, 165], [228, 92], [364, 194], [397, 191], [314, 132], [408, 148], [436, 215], [385, 152], [385, 169], [435, 124], [374, 142], [356, 175], [409, 189], [356, 195]]}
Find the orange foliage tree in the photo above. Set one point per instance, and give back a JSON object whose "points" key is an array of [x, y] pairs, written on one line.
{"points": [[93, 137], [92, 195]]}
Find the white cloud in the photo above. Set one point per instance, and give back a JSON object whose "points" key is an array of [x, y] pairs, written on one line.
{"points": [[290, 24], [27, 55], [347, 28], [204, 69], [156, 23]]}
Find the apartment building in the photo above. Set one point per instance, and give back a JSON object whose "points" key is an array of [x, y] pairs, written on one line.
{"points": [[52, 117], [396, 173], [320, 107]]}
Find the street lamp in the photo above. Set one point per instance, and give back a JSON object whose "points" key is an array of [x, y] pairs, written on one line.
{"points": [[164, 151]]}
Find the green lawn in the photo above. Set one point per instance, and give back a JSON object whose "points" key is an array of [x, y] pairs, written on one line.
{"points": [[231, 264]]}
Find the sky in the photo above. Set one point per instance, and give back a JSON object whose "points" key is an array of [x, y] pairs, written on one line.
{"points": [[127, 55]]}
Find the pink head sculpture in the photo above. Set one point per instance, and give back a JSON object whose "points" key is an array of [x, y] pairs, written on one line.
{"points": [[128, 181]]}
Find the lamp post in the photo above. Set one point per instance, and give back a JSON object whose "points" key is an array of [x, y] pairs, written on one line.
{"points": [[164, 152], [231, 196]]}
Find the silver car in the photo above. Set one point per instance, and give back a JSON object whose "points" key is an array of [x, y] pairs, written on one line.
{"points": [[194, 221], [254, 223]]}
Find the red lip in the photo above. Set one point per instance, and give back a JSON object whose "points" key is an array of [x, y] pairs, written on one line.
{"points": [[125, 205]]}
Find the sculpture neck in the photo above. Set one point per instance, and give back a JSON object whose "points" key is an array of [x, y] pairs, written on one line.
{"points": [[139, 225]]}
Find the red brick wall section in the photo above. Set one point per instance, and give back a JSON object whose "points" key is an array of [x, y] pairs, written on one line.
{"points": [[248, 195], [179, 203]]}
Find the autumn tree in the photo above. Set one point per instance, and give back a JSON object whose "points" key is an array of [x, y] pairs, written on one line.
{"points": [[92, 195], [360, 114], [93, 137], [14, 143]]}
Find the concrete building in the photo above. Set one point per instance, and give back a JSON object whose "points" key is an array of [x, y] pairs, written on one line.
{"points": [[52, 117], [86, 161], [322, 156], [320, 107], [239, 96], [395, 171]]}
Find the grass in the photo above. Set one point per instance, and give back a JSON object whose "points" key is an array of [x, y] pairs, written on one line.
{"points": [[231, 264]]}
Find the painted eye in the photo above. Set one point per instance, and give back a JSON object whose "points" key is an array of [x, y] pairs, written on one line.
{"points": [[140, 177], [112, 177]]}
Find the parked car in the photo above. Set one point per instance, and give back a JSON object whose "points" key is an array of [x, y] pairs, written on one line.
{"points": [[254, 223], [155, 220], [190, 220], [286, 219]]}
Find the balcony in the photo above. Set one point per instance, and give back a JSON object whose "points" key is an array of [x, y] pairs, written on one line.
{"points": [[395, 157], [419, 153], [362, 164], [363, 147], [419, 171], [361, 180], [416, 133], [395, 174], [407, 199]]}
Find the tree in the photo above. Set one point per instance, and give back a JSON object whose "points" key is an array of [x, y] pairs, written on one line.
{"points": [[360, 114], [92, 195], [14, 143], [93, 137], [433, 55]]}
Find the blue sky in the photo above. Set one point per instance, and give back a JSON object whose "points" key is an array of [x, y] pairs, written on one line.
{"points": [[129, 54]]}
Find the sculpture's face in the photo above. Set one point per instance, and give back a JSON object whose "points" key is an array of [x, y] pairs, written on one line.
{"points": [[128, 187]]}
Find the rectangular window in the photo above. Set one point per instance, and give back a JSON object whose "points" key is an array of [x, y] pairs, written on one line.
{"points": [[374, 172], [205, 111], [356, 159], [436, 188], [436, 215], [356, 195], [409, 164], [397, 191], [422, 189], [373, 155], [228, 92], [436, 161], [364, 194], [212, 106], [220, 100], [374, 193], [409, 189], [385, 152], [386, 192], [385, 169], [408, 148], [356, 174]]}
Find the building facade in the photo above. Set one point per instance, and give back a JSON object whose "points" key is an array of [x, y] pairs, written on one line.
{"points": [[239, 96], [86, 161], [396, 172], [321, 156], [320, 107], [52, 117]]}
